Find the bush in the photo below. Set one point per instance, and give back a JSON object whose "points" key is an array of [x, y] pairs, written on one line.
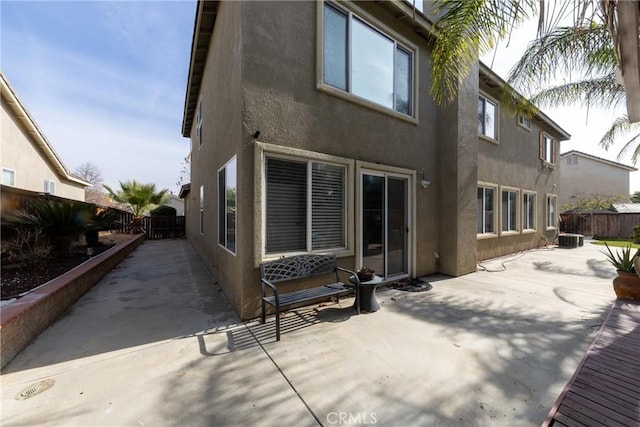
{"points": [[635, 235], [28, 249], [164, 211]]}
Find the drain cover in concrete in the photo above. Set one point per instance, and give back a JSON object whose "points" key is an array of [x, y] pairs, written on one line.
{"points": [[34, 389]]}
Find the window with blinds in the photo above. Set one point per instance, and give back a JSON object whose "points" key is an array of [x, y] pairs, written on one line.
{"points": [[305, 206]]}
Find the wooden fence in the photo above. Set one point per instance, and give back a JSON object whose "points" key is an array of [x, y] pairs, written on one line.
{"points": [[600, 224], [159, 227]]}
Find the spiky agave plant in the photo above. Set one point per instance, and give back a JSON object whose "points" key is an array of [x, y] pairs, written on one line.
{"points": [[622, 260]]}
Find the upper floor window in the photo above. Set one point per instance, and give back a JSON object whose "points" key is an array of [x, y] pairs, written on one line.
{"points": [[8, 177], [572, 160], [361, 60], [547, 149], [227, 196], [487, 117], [525, 122], [49, 186], [486, 210], [199, 122]]}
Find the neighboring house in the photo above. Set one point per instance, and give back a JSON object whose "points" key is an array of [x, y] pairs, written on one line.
{"points": [[312, 130], [584, 175], [28, 159], [177, 203]]}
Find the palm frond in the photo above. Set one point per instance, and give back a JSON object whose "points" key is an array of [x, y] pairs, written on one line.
{"points": [[465, 29], [603, 92], [565, 51]]}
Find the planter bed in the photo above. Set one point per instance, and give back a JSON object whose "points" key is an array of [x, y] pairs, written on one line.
{"points": [[24, 319]]}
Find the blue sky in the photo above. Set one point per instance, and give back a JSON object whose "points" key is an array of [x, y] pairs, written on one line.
{"points": [[104, 80]]}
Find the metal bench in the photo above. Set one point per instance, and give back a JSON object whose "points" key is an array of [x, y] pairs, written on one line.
{"points": [[300, 267]]}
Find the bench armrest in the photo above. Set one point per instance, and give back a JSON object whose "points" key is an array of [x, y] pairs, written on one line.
{"points": [[273, 287]]}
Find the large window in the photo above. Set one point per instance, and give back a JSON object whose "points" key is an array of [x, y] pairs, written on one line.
{"points": [[547, 149], [509, 211], [528, 211], [487, 117], [361, 60], [8, 177], [486, 210], [552, 219], [227, 196], [305, 206]]}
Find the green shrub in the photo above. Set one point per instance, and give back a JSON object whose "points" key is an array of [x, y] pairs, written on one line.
{"points": [[635, 234], [164, 211]]}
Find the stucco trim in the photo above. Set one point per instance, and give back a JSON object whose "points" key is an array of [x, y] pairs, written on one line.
{"points": [[261, 150], [348, 96], [397, 171]]}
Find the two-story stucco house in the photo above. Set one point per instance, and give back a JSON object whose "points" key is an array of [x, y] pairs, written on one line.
{"points": [[28, 159], [584, 175], [312, 130]]}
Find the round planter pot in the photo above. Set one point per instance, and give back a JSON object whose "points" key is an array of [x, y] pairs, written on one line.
{"points": [[627, 286]]}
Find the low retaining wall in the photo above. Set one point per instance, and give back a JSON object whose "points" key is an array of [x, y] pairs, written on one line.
{"points": [[24, 319]]}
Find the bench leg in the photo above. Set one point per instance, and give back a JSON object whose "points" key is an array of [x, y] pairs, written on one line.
{"points": [[277, 320], [263, 312]]}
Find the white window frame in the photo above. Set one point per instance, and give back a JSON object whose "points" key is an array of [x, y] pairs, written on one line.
{"points": [[516, 192], [525, 212], [355, 12], [49, 187], [496, 120], [524, 122], [202, 209], [551, 222], [264, 150], [13, 177], [223, 220], [493, 233], [548, 150]]}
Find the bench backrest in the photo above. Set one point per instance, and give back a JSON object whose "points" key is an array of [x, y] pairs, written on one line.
{"points": [[297, 267]]}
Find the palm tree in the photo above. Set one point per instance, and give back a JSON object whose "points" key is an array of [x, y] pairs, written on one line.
{"points": [[467, 28], [139, 198], [586, 54]]}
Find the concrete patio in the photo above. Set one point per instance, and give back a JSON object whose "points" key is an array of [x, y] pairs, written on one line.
{"points": [[156, 343]]}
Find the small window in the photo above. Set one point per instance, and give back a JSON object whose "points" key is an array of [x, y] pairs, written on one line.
{"points": [[227, 196], [486, 210], [362, 60], [509, 212], [49, 187], [525, 122], [8, 177], [547, 149], [487, 118], [199, 122], [552, 220], [572, 160], [528, 211], [202, 209]]}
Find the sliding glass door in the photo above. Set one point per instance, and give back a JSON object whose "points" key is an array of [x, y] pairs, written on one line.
{"points": [[385, 224]]}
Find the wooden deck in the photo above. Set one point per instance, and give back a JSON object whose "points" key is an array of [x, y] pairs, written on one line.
{"points": [[605, 389]]}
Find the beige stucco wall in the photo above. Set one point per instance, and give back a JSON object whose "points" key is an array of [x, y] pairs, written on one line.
{"points": [[515, 162], [590, 177], [19, 153]]}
